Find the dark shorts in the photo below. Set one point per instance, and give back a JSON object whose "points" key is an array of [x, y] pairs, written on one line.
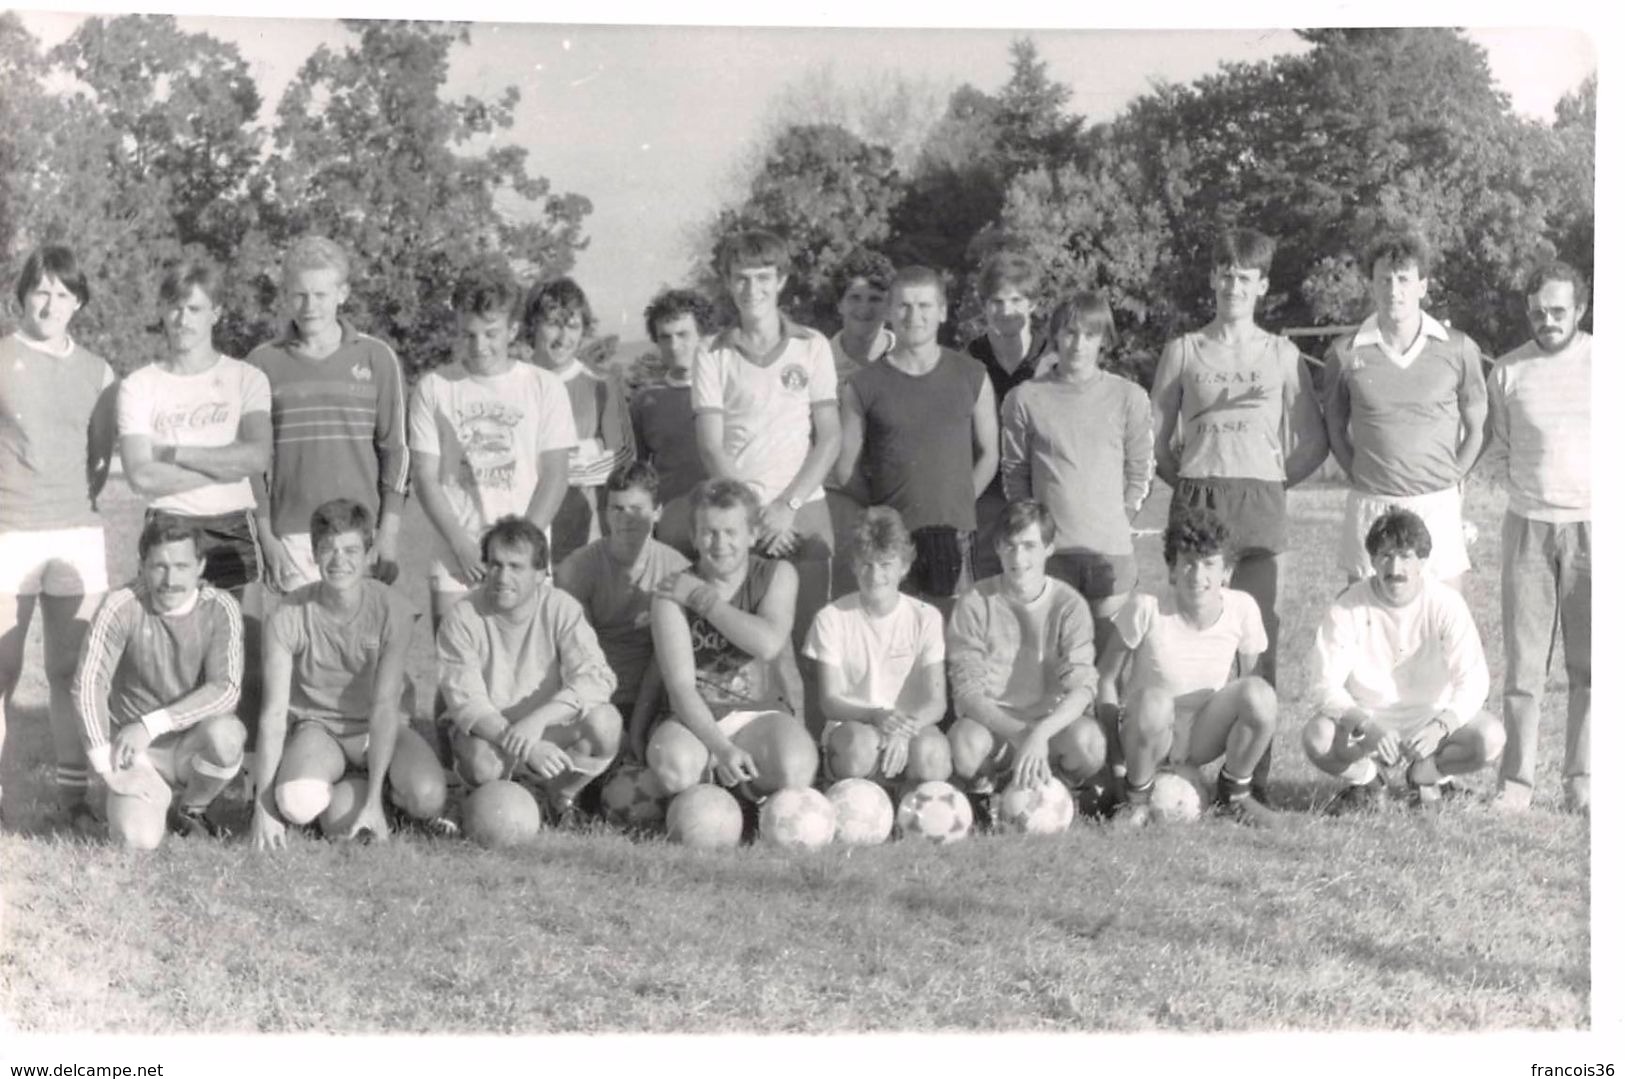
{"points": [[944, 562], [1094, 575], [231, 549], [1253, 510]]}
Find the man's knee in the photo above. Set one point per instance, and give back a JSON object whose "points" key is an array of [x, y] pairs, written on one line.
{"points": [[676, 758], [929, 756], [602, 727], [1081, 747], [476, 760], [1257, 704], [789, 757], [970, 744], [1147, 713], [854, 750], [223, 741], [1319, 736], [1482, 740]]}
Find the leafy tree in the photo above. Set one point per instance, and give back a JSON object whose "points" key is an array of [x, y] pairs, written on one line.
{"points": [[825, 191], [368, 153]]}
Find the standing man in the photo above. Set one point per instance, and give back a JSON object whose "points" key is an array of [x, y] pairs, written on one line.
{"points": [[678, 321], [765, 414], [57, 426], [338, 418], [919, 434], [864, 279], [1405, 406], [1540, 446]]}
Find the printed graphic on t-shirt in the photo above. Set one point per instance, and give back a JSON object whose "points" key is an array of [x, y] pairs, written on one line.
{"points": [[485, 431], [794, 377]]}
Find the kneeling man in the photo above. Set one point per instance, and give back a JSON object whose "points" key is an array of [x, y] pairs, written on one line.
{"points": [[1183, 705], [880, 656], [527, 687], [335, 662], [1398, 676], [719, 636], [1021, 660], [157, 688]]}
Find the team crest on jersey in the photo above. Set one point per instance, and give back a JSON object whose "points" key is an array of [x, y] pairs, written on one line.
{"points": [[362, 371], [794, 377]]}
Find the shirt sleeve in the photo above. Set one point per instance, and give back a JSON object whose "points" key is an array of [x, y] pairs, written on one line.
{"points": [[462, 678], [819, 645], [821, 370], [1139, 461], [1464, 651], [969, 665], [1470, 392], [1075, 647], [1014, 436], [288, 627], [134, 408], [1497, 444], [556, 423], [222, 684], [575, 575], [932, 647], [706, 381], [587, 676], [423, 432], [389, 432], [98, 659], [256, 390], [1331, 662], [1254, 640], [1133, 622]]}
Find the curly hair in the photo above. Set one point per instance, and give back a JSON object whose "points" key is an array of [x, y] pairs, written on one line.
{"points": [[1198, 533], [724, 494], [881, 533], [549, 300], [673, 304], [1398, 530], [1399, 248], [862, 264], [486, 290]]}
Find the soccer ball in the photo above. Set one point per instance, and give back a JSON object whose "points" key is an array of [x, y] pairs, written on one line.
{"points": [[1178, 795], [631, 798], [501, 813], [705, 815], [349, 795], [1046, 809], [797, 818], [935, 810], [863, 812]]}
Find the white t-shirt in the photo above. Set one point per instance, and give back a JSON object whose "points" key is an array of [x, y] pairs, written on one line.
{"points": [[767, 408], [1186, 662], [876, 655], [202, 409], [488, 433]]}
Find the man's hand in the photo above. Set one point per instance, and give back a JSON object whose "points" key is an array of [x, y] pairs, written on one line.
{"points": [[1032, 762], [893, 723], [282, 574], [129, 743], [1383, 742], [467, 565], [386, 564], [266, 832], [1425, 742], [779, 539], [549, 760], [370, 822], [687, 590], [734, 766], [893, 755], [520, 738]]}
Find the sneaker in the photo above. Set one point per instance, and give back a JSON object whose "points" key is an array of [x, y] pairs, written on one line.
{"points": [[1512, 799], [1248, 810], [191, 822], [982, 810], [1356, 798], [1577, 795]]}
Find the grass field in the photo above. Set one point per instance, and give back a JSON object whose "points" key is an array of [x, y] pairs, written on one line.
{"points": [[1460, 922]]}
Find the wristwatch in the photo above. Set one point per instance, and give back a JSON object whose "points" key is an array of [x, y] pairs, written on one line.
{"points": [[794, 503]]}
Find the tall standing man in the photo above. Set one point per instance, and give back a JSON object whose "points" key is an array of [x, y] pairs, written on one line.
{"points": [[1539, 444], [338, 418], [1404, 412], [765, 414]]}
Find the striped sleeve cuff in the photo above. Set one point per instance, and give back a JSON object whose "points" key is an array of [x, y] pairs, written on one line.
{"points": [[158, 722]]}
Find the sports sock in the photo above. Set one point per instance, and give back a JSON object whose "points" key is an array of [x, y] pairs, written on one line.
{"points": [[1231, 788], [207, 781], [72, 784], [1138, 795]]}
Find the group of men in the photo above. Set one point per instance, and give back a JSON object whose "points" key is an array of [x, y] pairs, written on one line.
{"points": [[824, 547]]}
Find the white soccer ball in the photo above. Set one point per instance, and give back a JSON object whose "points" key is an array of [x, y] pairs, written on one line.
{"points": [[935, 810], [863, 812], [631, 798], [1178, 795], [706, 816], [796, 818], [1045, 809]]}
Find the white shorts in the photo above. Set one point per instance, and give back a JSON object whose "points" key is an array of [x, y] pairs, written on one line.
{"points": [[297, 545], [58, 562], [1439, 510]]}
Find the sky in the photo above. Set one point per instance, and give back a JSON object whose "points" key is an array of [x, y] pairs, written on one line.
{"points": [[652, 123]]}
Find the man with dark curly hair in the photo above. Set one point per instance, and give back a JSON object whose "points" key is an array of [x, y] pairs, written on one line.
{"points": [[679, 322]]}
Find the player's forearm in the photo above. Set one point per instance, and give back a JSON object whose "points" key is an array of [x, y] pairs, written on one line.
{"points": [[693, 713], [719, 464], [815, 468], [236, 461], [984, 467], [383, 730], [840, 708], [1472, 443], [562, 709], [755, 634], [1067, 712], [983, 710], [437, 507], [154, 479]]}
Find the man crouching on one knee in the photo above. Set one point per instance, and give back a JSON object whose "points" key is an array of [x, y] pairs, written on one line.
{"points": [[1399, 677], [162, 670], [526, 684]]}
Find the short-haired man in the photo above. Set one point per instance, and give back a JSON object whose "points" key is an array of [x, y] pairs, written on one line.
{"points": [[1539, 445], [157, 688], [679, 322], [57, 416], [719, 635], [1398, 676], [1237, 423], [1192, 696], [1405, 405], [765, 414], [491, 437], [526, 685], [1021, 662], [335, 661], [919, 434], [338, 418], [614, 579], [880, 665]]}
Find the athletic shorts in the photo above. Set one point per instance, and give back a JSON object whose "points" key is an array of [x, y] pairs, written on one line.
{"points": [[1095, 576], [944, 562], [57, 562], [1253, 510], [352, 735], [231, 548], [297, 544], [1439, 510]]}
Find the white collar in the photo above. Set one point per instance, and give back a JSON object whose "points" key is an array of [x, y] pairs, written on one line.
{"points": [[1370, 333]]}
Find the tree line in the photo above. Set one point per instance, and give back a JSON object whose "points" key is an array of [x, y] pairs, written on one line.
{"points": [[1367, 130]]}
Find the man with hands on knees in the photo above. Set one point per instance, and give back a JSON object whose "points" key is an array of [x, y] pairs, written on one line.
{"points": [[1399, 677], [717, 636]]}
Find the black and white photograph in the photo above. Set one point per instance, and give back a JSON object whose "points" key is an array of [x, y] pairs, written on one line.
{"points": [[527, 524]]}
